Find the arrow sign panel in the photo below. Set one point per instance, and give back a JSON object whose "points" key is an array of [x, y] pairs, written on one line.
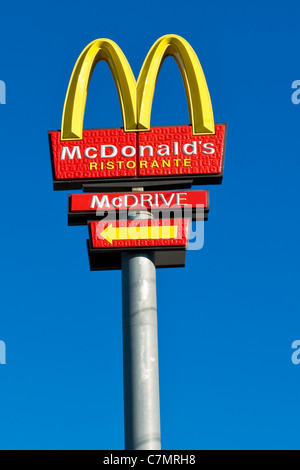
{"points": [[139, 233], [112, 234]]}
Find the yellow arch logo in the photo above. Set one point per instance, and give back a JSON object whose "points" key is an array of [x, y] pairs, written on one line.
{"points": [[136, 97]]}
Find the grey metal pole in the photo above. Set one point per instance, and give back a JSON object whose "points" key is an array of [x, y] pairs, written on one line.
{"points": [[140, 350]]}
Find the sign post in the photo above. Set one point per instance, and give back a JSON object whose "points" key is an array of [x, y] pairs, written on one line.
{"points": [[140, 350], [138, 231]]}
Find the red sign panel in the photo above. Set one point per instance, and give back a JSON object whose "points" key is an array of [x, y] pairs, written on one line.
{"points": [[113, 154], [152, 200], [88, 206], [139, 233]]}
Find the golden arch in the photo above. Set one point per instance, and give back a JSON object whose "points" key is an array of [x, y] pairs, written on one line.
{"points": [[136, 98]]}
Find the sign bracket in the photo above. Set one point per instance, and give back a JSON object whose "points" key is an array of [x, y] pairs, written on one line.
{"points": [[127, 185]]}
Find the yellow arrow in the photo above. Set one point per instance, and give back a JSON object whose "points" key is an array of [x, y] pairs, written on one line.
{"points": [[139, 233]]}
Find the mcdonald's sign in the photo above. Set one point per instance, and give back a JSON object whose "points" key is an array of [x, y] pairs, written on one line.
{"points": [[137, 151]]}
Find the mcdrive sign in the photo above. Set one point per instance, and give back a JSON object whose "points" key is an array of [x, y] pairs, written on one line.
{"points": [[90, 206], [138, 151]]}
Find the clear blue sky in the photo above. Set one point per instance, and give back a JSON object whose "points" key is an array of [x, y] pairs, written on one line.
{"points": [[226, 321]]}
